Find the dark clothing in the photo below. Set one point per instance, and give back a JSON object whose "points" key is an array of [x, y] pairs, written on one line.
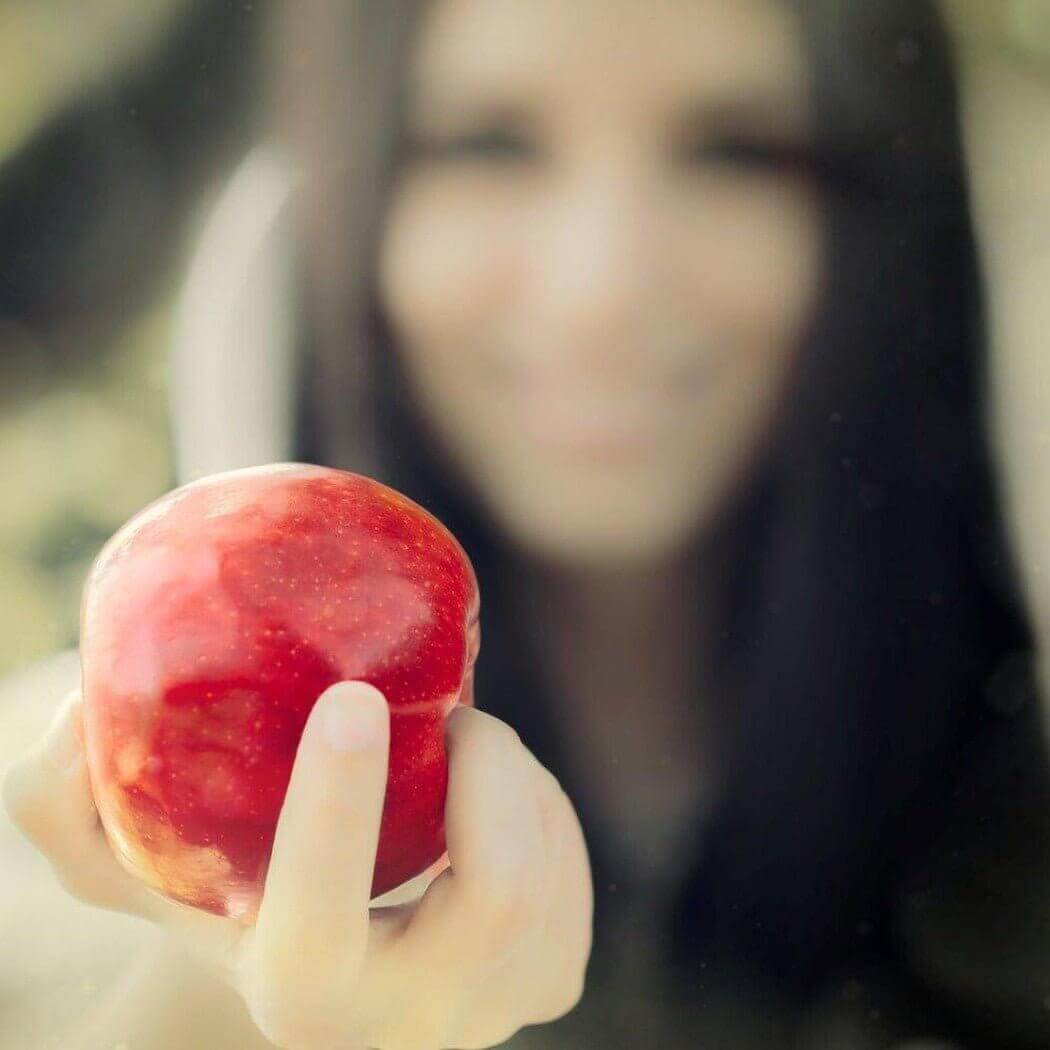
{"points": [[879, 869], [960, 953]]}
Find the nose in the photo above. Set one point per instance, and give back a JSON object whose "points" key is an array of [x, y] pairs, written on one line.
{"points": [[595, 269]]}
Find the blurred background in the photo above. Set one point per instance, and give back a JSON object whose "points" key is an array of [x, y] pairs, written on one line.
{"points": [[119, 120]]}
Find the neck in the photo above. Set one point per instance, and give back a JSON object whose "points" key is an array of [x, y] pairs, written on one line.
{"points": [[619, 630], [615, 601], [623, 652]]}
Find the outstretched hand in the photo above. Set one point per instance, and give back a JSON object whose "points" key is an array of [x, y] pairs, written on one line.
{"points": [[498, 940]]}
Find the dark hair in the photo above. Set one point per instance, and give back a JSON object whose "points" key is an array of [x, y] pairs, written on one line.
{"points": [[868, 595]]}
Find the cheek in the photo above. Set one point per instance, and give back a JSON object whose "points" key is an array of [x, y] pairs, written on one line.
{"points": [[444, 270], [750, 264], [747, 267]]}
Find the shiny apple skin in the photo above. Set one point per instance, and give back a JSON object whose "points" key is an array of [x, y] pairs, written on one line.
{"points": [[210, 625]]}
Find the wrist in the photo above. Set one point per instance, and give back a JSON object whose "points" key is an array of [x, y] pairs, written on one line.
{"points": [[165, 999]]}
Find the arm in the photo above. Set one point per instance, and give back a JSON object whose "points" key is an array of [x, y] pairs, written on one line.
{"points": [[51, 941], [163, 1000]]}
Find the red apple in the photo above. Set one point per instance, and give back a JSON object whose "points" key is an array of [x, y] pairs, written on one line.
{"points": [[210, 625]]}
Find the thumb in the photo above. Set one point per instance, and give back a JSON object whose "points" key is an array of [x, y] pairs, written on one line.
{"points": [[316, 898], [47, 794]]}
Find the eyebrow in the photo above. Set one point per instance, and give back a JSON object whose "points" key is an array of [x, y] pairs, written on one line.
{"points": [[438, 114], [753, 108], [758, 110]]}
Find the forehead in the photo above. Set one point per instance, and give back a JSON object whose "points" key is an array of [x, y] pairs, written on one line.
{"points": [[643, 50]]}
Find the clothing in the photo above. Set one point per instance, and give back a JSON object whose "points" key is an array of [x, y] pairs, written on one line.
{"points": [[953, 941]]}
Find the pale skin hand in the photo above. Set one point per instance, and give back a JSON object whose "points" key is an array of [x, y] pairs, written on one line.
{"points": [[498, 941]]}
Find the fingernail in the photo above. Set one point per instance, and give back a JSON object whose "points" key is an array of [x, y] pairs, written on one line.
{"points": [[352, 721]]}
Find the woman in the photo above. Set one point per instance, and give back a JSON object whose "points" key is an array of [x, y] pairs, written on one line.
{"points": [[672, 315]]}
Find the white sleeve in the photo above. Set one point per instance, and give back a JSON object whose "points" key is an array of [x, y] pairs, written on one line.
{"points": [[232, 370]]}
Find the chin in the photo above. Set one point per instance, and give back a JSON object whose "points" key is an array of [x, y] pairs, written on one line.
{"points": [[598, 538]]}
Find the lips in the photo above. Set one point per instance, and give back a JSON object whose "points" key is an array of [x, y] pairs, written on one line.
{"points": [[587, 424], [596, 416], [621, 406]]}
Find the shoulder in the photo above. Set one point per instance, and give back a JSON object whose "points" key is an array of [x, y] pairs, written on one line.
{"points": [[232, 370], [971, 916]]}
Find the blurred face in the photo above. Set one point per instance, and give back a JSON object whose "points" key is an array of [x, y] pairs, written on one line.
{"points": [[601, 256]]}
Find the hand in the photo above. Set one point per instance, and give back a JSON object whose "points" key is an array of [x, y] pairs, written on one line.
{"points": [[499, 940]]}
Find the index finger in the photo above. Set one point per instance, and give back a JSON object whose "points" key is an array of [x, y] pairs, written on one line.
{"points": [[315, 901]]}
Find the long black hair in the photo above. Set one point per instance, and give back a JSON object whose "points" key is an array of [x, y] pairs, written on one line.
{"points": [[868, 596]]}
